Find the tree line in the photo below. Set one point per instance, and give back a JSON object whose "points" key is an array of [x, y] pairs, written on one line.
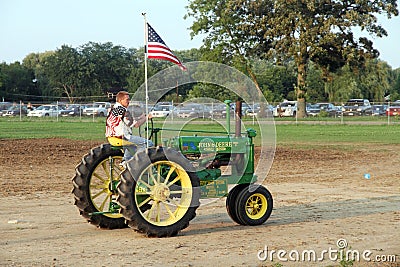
{"points": [[87, 72], [295, 50]]}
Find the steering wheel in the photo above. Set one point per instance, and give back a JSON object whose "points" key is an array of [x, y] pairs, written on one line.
{"points": [[151, 127]]}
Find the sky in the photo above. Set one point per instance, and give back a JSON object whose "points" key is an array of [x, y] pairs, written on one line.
{"points": [[28, 26]]}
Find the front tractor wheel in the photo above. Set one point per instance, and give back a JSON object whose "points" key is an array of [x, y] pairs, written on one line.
{"points": [[95, 182], [253, 205], [231, 201], [159, 192]]}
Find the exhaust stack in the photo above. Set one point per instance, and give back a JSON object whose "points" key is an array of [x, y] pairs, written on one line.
{"points": [[238, 118]]}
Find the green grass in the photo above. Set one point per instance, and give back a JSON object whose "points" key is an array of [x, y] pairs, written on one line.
{"points": [[304, 135], [317, 133], [51, 129]]}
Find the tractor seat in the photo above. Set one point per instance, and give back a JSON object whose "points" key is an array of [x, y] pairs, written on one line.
{"points": [[118, 142]]}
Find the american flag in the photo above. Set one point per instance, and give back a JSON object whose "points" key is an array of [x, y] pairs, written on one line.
{"points": [[156, 48]]}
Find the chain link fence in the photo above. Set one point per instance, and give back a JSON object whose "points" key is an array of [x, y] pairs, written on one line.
{"points": [[379, 112]]}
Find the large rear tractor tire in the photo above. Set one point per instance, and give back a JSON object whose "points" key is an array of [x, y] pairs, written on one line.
{"points": [[159, 192], [95, 181]]}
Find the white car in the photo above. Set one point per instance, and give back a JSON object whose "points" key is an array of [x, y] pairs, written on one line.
{"points": [[97, 109], [45, 111], [162, 110], [286, 109]]}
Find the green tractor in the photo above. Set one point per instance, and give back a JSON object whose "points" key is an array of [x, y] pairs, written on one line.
{"points": [[158, 191]]}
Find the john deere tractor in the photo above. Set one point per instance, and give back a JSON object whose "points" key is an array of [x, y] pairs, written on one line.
{"points": [[158, 191]]}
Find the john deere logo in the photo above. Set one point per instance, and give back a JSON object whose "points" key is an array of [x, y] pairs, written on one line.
{"points": [[208, 145]]}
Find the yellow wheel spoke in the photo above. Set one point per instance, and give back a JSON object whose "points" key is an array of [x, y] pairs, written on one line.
{"points": [[153, 178], [145, 184], [98, 177], [151, 210], [143, 193], [104, 202], [171, 214], [117, 173], [98, 186], [171, 170], [158, 218], [144, 201], [158, 173], [174, 181], [104, 165], [175, 203], [104, 191]]}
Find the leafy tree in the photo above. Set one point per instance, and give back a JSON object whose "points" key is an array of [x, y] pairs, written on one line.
{"points": [[136, 76], [322, 32], [276, 81], [89, 70], [227, 39], [16, 81], [342, 86], [395, 90], [371, 81], [63, 69], [318, 31], [36, 62], [315, 85], [107, 65], [212, 91], [374, 80]]}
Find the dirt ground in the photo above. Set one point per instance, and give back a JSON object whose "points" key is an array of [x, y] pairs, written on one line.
{"points": [[320, 198]]}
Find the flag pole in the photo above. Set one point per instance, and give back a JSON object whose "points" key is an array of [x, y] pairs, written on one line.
{"points": [[145, 78]]}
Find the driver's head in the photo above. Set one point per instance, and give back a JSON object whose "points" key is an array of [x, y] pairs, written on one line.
{"points": [[123, 98]]}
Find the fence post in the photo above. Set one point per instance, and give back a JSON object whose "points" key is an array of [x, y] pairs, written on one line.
{"points": [[342, 117], [93, 111], [20, 110]]}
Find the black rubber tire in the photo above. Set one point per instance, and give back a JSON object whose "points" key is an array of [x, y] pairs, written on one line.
{"points": [[254, 199], [231, 201], [184, 202], [83, 180]]}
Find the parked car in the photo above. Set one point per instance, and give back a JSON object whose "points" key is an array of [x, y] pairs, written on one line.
{"points": [[4, 106], [323, 109], [255, 110], [97, 109], [357, 107], [72, 110], [162, 109], [16, 111], [193, 110], [136, 109], [286, 109], [245, 108], [45, 111], [379, 110], [218, 111], [393, 109]]}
